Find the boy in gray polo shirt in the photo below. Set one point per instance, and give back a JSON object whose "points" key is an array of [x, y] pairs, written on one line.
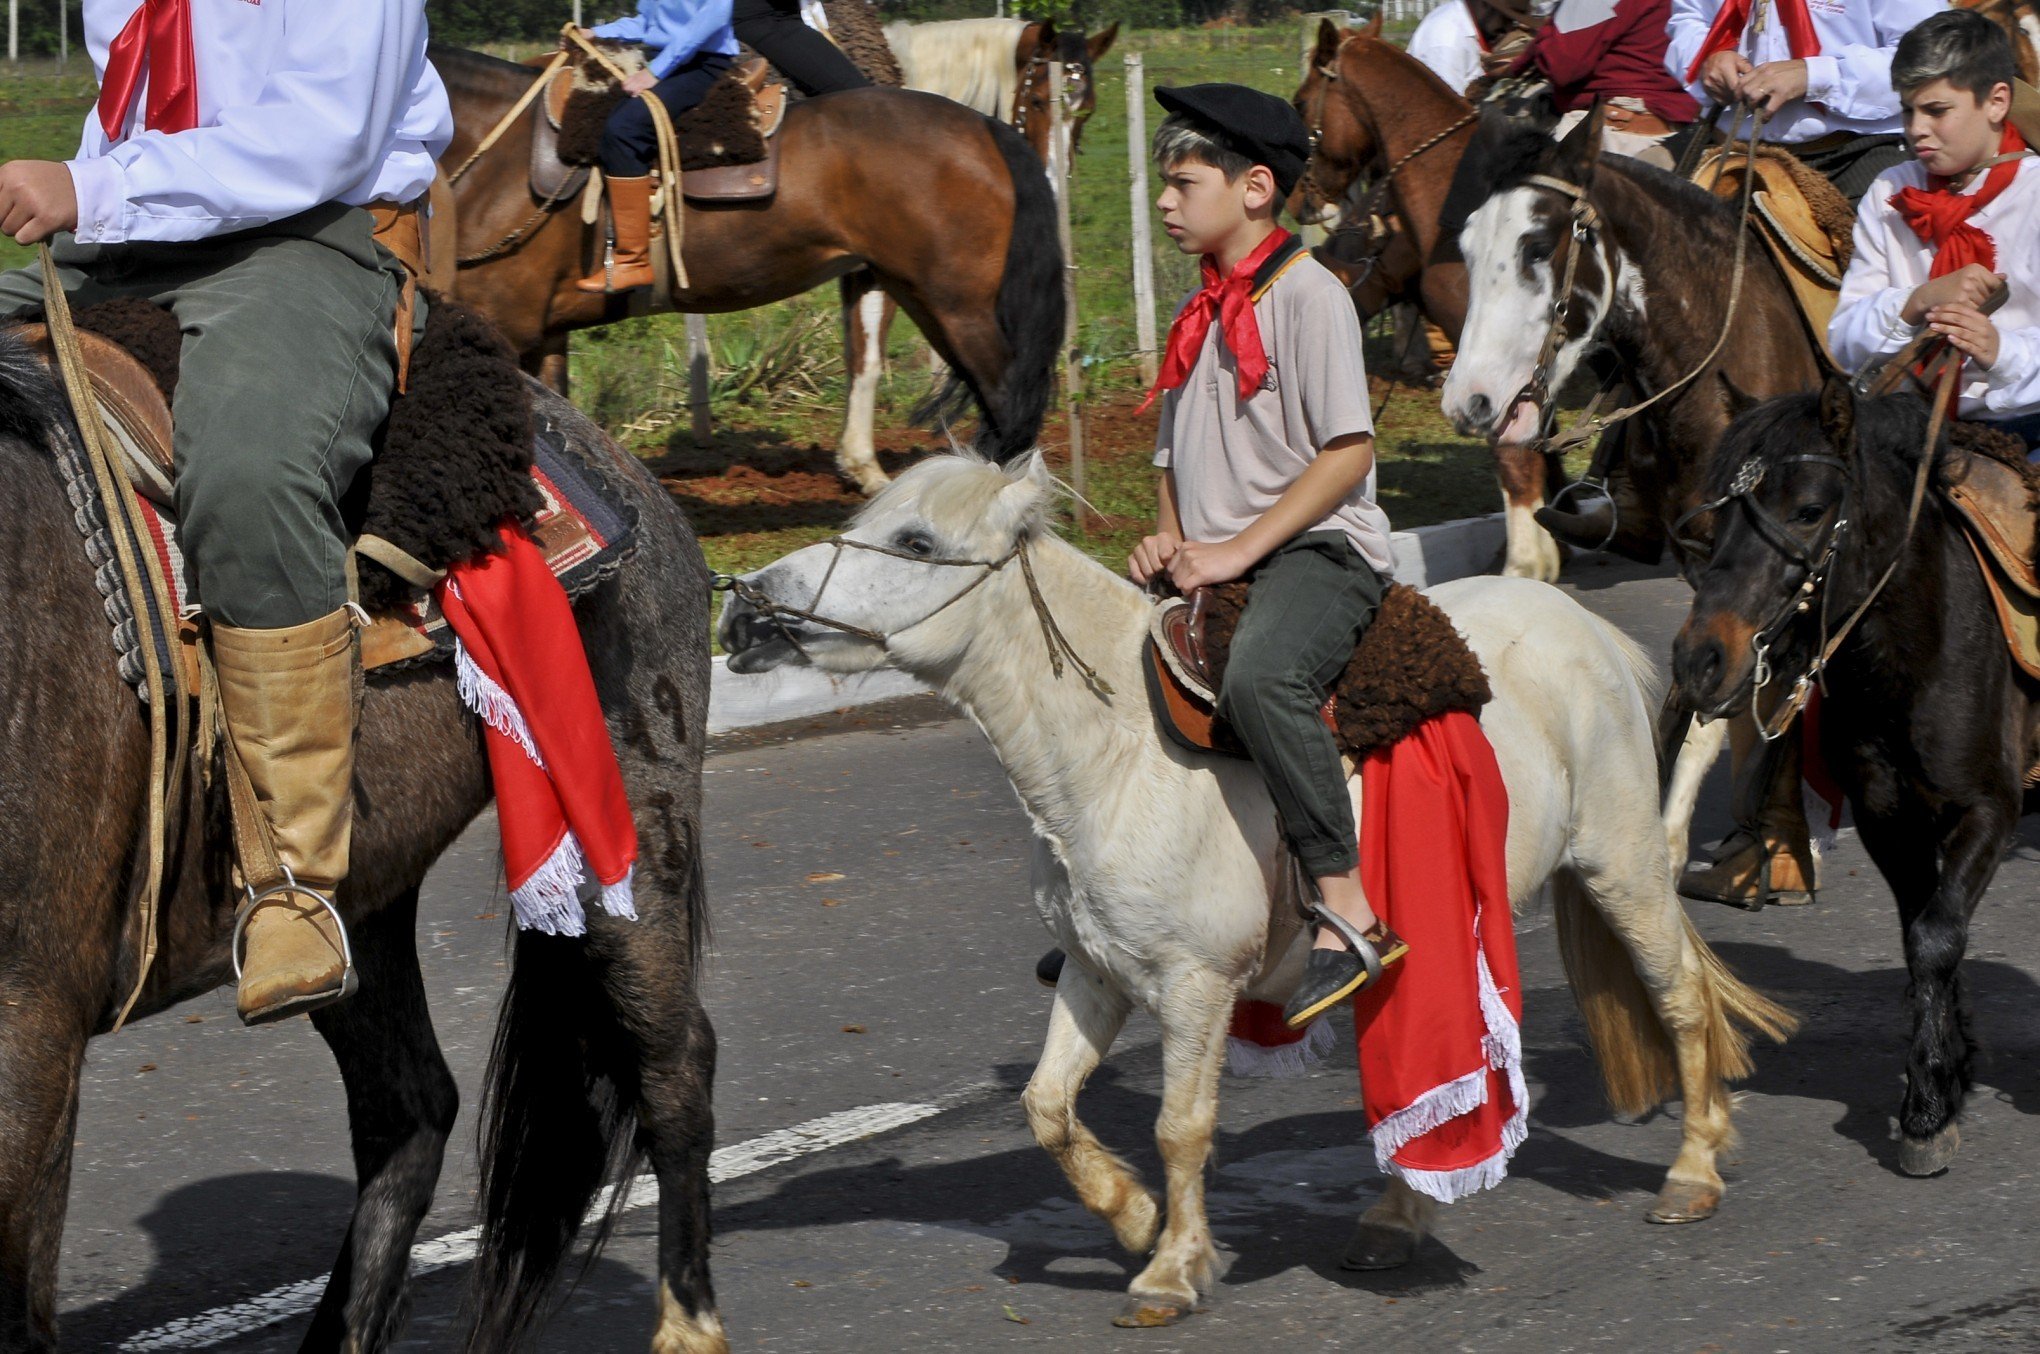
{"points": [[1266, 447]]}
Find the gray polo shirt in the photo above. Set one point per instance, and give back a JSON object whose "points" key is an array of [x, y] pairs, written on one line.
{"points": [[1233, 460]]}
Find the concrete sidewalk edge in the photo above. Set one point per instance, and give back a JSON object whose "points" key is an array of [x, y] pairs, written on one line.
{"points": [[1427, 555]]}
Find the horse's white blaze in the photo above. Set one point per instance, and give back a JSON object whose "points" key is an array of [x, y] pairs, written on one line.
{"points": [[1507, 317]]}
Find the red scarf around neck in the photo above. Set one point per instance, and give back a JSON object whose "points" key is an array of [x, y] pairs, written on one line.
{"points": [[1725, 33], [1230, 300], [1940, 216], [156, 42]]}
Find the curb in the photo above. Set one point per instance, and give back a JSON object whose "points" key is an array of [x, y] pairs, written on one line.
{"points": [[1428, 555]]}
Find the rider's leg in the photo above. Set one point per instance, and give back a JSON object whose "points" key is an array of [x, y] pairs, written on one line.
{"points": [[1309, 604], [630, 146], [775, 31], [288, 366], [1769, 857]]}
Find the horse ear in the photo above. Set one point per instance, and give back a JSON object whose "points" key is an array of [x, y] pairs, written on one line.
{"points": [[1101, 43], [1838, 413], [1581, 147], [1373, 28], [1046, 42], [1740, 401], [1327, 49]]}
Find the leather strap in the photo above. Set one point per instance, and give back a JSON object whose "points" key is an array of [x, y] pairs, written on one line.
{"points": [[142, 575], [398, 561]]}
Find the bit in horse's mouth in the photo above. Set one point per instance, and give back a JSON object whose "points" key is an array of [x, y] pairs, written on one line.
{"points": [[766, 655]]}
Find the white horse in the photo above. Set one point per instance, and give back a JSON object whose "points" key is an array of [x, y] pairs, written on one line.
{"points": [[1158, 870]]}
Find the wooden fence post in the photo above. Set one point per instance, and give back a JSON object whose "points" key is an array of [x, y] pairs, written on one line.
{"points": [[1073, 372], [697, 378], [1143, 224]]}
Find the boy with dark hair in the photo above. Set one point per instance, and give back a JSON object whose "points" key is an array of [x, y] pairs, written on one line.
{"points": [[1934, 237], [1266, 447]]}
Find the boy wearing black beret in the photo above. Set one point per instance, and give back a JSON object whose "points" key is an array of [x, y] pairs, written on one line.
{"points": [[1266, 447]]}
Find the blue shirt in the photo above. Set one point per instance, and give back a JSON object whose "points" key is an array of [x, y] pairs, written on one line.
{"points": [[679, 29]]}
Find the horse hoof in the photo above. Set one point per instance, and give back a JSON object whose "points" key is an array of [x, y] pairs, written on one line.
{"points": [[1377, 1247], [1144, 1313], [1684, 1201], [1930, 1156]]}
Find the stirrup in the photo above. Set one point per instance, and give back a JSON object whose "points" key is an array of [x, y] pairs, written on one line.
{"points": [[1362, 947], [291, 886]]}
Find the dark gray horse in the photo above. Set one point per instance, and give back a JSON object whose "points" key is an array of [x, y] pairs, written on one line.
{"points": [[604, 1057]]}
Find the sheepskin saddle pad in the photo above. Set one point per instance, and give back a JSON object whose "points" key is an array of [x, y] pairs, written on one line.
{"points": [[1409, 665], [461, 454]]}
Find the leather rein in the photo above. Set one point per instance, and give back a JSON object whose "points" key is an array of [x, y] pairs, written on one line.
{"points": [[1059, 646]]}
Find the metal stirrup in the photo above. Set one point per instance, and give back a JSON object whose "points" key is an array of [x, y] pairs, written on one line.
{"points": [[1370, 958], [290, 886]]}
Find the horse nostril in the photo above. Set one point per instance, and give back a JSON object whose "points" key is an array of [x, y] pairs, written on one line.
{"points": [[1697, 663], [1480, 413]]}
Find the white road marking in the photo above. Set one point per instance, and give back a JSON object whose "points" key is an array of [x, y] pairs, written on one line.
{"points": [[221, 1324]]}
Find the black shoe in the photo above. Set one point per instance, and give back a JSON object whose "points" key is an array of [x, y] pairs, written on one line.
{"points": [[1331, 976], [1048, 969]]}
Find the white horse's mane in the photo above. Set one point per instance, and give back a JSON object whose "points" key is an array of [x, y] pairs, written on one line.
{"points": [[973, 61]]}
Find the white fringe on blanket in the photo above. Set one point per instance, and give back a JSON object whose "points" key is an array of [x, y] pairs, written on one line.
{"points": [[549, 901], [1244, 1058], [1503, 1047]]}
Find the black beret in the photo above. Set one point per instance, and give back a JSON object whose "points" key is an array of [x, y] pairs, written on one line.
{"points": [[1259, 126]]}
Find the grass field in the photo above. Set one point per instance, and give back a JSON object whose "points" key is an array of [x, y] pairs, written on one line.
{"points": [[763, 485]]}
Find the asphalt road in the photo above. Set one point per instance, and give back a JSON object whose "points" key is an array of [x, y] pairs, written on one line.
{"points": [[875, 949]]}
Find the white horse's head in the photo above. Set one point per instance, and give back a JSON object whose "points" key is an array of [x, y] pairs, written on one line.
{"points": [[885, 591], [1516, 244]]}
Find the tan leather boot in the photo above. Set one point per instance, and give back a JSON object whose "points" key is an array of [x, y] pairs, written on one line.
{"points": [[630, 264], [288, 700], [1769, 860]]}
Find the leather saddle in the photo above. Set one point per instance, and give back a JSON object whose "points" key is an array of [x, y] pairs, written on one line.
{"points": [[1803, 220], [1994, 501], [553, 179], [1183, 684]]}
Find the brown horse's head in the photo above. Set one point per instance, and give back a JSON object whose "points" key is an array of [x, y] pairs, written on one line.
{"points": [[2020, 20], [1041, 43], [1788, 496]]}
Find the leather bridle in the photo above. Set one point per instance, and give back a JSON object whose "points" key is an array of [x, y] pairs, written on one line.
{"points": [[777, 612]]}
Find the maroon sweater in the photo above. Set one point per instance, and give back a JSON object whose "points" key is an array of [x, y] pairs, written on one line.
{"points": [[1611, 48]]}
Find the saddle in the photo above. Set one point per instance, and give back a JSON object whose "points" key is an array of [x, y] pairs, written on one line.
{"points": [[1410, 665], [1996, 497], [1803, 220], [728, 146]]}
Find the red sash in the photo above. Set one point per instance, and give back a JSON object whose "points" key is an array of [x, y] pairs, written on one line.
{"points": [[156, 42], [1230, 300], [1940, 216], [1726, 31]]}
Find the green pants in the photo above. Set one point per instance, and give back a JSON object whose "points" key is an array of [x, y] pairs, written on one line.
{"points": [[287, 370], [1308, 606]]}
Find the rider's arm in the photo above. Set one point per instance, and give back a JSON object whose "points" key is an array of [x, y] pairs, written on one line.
{"points": [[346, 83], [1685, 33], [1868, 322], [630, 28], [696, 28], [1853, 79], [1168, 521]]}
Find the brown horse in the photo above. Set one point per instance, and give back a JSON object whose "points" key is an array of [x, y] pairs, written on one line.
{"points": [[947, 210], [2021, 21], [1375, 110], [960, 74], [603, 1056]]}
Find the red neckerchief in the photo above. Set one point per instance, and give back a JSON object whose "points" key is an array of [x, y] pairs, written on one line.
{"points": [[155, 42], [1726, 32], [1940, 216], [1230, 301]]}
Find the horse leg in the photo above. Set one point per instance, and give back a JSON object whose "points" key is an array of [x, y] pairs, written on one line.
{"points": [[401, 1103], [42, 1047], [1531, 552], [867, 316], [1936, 921], [1697, 755], [1087, 1017], [1388, 1234], [1194, 1016], [548, 362]]}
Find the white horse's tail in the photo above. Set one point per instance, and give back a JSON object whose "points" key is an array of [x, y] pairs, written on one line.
{"points": [[1638, 1065], [973, 61]]}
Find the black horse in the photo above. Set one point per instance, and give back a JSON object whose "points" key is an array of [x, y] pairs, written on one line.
{"points": [[603, 1056], [1927, 723]]}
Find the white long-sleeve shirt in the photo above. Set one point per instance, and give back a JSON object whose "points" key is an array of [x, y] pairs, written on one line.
{"points": [[1848, 86], [300, 103], [1891, 261], [678, 29], [1449, 44]]}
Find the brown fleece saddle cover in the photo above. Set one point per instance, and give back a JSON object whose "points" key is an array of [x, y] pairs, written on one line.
{"points": [[1803, 220], [1410, 665], [1986, 479]]}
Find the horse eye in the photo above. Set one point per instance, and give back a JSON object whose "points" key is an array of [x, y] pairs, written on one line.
{"points": [[1537, 251], [1809, 514], [915, 543]]}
